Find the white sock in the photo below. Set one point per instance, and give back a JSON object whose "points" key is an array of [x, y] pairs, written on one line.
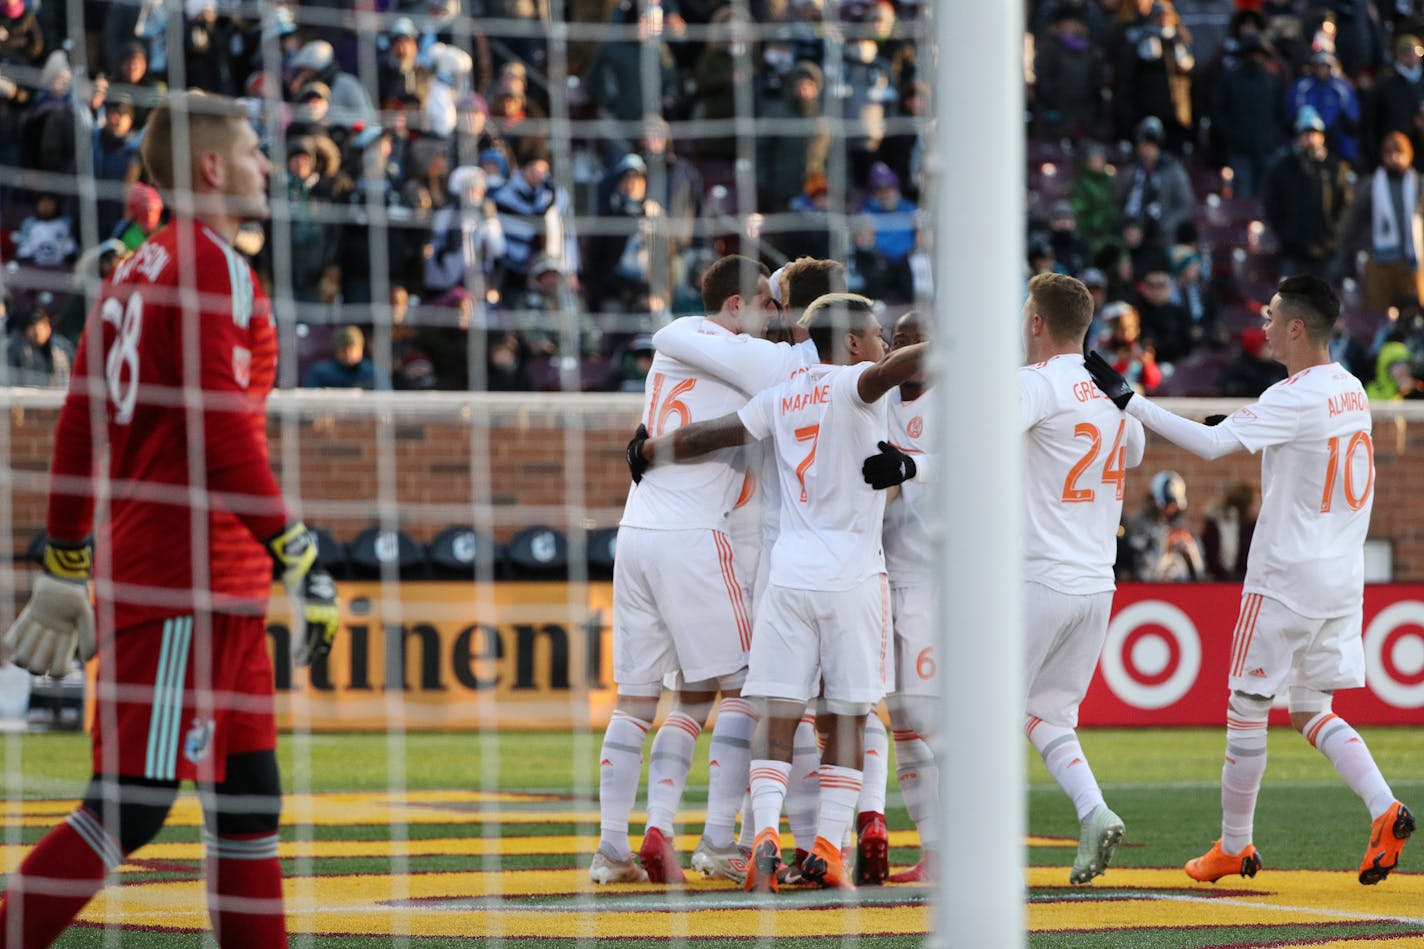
{"points": [[1241, 773], [1333, 737], [804, 794], [769, 780], [918, 774], [748, 831], [728, 761], [620, 766], [668, 764], [876, 767], [840, 789], [1064, 758]]}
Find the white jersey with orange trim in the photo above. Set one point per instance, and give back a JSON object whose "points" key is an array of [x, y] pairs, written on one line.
{"points": [[1317, 490], [700, 493], [1077, 449], [909, 544], [821, 433]]}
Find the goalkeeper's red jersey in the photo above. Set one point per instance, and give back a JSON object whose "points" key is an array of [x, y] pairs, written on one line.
{"points": [[170, 391]]}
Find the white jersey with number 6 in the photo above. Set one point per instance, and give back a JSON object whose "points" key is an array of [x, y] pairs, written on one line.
{"points": [[1317, 489], [1077, 449], [830, 518], [909, 541]]}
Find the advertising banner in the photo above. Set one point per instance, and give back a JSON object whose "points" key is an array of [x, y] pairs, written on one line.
{"points": [[1169, 648], [436, 655]]}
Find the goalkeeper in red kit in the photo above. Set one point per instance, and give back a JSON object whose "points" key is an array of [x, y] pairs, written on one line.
{"points": [[165, 418]]}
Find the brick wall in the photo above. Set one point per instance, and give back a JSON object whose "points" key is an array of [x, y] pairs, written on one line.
{"points": [[504, 461]]}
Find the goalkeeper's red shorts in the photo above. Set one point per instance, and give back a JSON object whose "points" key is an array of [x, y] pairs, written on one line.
{"points": [[177, 696]]}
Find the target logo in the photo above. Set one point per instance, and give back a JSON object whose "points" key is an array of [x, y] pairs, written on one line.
{"points": [[1394, 654], [1152, 655]]}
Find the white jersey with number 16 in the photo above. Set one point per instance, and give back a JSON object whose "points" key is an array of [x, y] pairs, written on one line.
{"points": [[1077, 449]]}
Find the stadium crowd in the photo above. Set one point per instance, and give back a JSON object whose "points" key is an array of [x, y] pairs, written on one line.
{"points": [[426, 190], [1181, 158]]}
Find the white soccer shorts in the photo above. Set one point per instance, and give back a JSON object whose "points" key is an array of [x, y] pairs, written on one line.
{"points": [[1274, 648], [677, 606], [1064, 636], [808, 637], [916, 662]]}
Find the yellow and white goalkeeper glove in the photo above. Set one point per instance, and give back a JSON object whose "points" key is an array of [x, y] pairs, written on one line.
{"points": [[312, 591], [59, 619]]}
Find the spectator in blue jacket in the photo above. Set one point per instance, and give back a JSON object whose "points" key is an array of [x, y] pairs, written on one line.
{"points": [[894, 215], [1334, 100], [348, 366]]}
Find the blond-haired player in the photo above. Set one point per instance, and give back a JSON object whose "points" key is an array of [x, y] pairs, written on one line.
{"points": [[1302, 600], [1077, 449], [824, 619]]}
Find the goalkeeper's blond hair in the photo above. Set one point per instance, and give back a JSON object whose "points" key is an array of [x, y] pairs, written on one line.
{"points": [[209, 121]]}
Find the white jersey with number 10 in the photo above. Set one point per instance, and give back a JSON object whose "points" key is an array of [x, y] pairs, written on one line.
{"points": [[1077, 449]]}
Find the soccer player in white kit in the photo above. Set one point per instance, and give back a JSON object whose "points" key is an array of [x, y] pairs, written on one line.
{"points": [[909, 544], [1301, 604], [678, 602], [1077, 449], [749, 364], [825, 615]]}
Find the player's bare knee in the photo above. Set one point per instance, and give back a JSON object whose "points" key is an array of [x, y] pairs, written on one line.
{"points": [[639, 700], [133, 809]]}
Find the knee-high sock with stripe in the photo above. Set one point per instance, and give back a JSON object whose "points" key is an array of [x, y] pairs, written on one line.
{"points": [[769, 779], [728, 762], [56, 879], [1334, 738], [840, 789], [876, 767], [669, 761], [804, 795], [245, 890], [1242, 769], [1064, 758], [620, 765], [918, 775]]}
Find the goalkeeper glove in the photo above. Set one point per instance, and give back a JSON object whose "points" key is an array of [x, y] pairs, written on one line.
{"points": [[1108, 379], [637, 464], [1214, 419], [889, 468], [312, 591], [59, 618]]}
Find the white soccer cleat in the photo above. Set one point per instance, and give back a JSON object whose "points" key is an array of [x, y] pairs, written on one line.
{"points": [[1102, 832], [609, 869], [729, 863]]}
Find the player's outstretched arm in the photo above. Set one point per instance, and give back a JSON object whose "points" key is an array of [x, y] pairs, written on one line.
{"points": [[1204, 441], [742, 361], [59, 618], [890, 372], [686, 443]]}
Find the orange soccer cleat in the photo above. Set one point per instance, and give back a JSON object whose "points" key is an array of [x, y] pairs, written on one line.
{"points": [[660, 859], [1387, 836], [766, 857], [825, 867], [1217, 863]]}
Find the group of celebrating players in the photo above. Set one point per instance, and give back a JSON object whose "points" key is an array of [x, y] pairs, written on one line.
{"points": [[731, 420]]}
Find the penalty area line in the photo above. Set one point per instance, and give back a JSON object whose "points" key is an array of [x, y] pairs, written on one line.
{"points": [[1316, 910]]}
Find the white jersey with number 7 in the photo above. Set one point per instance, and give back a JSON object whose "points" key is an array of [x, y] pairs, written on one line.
{"points": [[1077, 449], [830, 518]]}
